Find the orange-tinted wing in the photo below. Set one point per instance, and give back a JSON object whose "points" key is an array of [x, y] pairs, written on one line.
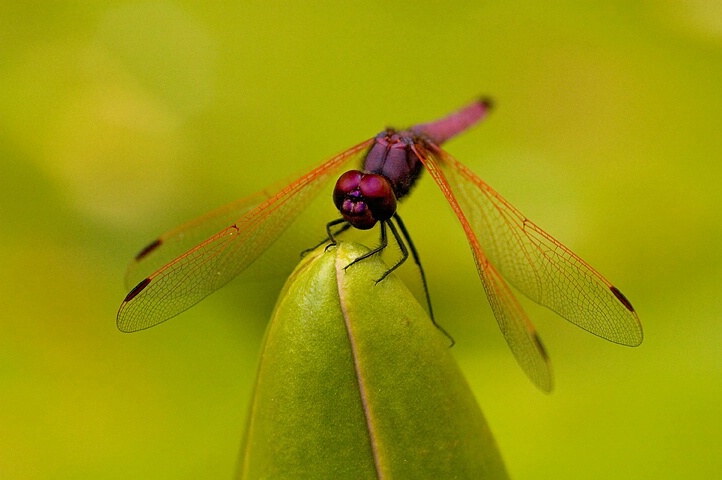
{"points": [[174, 243], [519, 333], [194, 274], [529, 258], [536, 263]]}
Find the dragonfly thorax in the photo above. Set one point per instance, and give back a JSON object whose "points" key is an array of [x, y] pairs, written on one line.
{"points": [[391, 155], [390, 169]]}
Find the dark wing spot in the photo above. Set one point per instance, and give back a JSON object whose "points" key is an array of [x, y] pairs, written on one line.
{"points": [[620, 296], [148, 248], [539, 344], [137, 289]]}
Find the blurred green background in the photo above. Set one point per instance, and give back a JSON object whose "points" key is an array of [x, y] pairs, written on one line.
{"points": [[118, 121]]}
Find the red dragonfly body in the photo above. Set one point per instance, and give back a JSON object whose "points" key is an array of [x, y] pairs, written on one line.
{"points": [[504, 243]]}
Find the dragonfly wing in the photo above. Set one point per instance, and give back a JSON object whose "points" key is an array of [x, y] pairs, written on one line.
{"points": [[533, 261], [174, 243], [199, 271], [514, 324]]}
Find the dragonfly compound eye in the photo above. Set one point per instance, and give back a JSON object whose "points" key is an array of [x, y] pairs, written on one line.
{"points": [[364, 199]]}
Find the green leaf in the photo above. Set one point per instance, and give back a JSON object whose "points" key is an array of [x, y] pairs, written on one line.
{"points": [[356, 382]]}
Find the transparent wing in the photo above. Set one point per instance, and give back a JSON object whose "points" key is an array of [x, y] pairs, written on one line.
{"points": [[532, 260], [175, 242], [204, 268], [519, 333]]}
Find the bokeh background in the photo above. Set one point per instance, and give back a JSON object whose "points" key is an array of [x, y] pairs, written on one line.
{"points": [[121, 120]]}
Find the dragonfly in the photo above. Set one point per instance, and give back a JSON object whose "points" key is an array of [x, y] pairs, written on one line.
{"points": [[178, 270]]}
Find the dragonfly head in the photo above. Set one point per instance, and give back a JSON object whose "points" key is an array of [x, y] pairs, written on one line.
{"points": [[364, 198]]}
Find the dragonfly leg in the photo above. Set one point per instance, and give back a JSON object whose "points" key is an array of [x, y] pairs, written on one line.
{"points": [[383, 244], [402, 246], [417, 261], [330, 236]]}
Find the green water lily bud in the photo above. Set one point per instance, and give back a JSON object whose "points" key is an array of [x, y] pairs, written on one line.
{"points": [[355, 382]]}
